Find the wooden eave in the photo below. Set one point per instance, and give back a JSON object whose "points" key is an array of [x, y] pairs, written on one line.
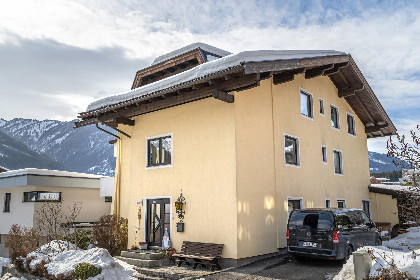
{"points": [[168, 68], [341, 69]]}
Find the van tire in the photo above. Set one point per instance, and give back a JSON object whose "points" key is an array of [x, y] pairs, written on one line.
{"points": [[347, 253]]}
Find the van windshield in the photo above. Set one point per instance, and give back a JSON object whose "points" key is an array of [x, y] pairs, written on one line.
{"points": [[319, 221]]}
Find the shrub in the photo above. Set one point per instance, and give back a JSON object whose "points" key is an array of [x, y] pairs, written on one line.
{"points": [[21, 241], [85, 270], [111, 232], [80, 238]]}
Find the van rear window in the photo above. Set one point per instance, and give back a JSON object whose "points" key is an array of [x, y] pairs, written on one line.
{"points": [[314, 221]]}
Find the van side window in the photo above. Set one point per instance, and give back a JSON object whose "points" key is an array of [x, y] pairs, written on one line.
{"points": [[365, 218], [343, 220], [356, 218]]}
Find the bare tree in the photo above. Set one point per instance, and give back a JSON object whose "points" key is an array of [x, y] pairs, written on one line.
{"points": [[407, 155]]}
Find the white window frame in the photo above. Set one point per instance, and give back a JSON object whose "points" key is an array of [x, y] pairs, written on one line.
{"points": [[329, 200], [342, 199], [322, 154], [341, 162], [147, 151], [323, 107], [338, 117], [354, 124], [311, 97], [297, 146], [294, 198], [171, 216], [370, 207]]}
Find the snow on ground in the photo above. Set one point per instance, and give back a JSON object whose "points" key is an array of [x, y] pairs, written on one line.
{"points": [[396, 250], [3, 261]]}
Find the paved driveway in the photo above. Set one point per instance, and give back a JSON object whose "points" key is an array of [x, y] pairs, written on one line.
{"points": [[283, 267]]}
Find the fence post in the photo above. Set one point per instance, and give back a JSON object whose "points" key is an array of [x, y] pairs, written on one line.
{"points": [[362, 264]]}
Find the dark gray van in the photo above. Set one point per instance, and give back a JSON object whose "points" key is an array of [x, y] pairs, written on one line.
{"points": [[329, 233]]}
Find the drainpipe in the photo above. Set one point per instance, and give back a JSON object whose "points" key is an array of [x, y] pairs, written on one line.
{"points": [[117, 182]]}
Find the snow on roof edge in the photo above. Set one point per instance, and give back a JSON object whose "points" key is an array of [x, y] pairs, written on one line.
{"points": [[47, 172], [208, 68], [188, 48]]}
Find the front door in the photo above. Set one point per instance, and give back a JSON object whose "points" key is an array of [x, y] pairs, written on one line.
{"points": [[158, 218]]}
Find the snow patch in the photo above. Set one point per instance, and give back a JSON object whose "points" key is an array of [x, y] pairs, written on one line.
{"points": [[4, 262]]}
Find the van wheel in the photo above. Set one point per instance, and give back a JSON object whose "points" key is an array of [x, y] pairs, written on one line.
{"points": [[349, 251], [299, 258]]}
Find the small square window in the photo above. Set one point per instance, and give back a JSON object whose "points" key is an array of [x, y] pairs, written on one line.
{"points": [[108, 198], [335, 121], [341, 203], [338, 162], [293, 204], [324, 154], [327, 203], [321, 106], [306, 104], [159, 151], [291, 150], [351, 128]]}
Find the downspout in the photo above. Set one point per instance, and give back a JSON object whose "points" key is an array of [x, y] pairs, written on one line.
{"points": [[117, 181]]}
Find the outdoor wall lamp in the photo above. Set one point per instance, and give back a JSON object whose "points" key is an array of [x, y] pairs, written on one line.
{"points": [[179, 206]]}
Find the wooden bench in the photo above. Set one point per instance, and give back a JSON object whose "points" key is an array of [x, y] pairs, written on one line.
{"points": [[199, 254]]}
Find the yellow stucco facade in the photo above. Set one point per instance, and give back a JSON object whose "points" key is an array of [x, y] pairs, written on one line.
{"points": [[228, 159]]}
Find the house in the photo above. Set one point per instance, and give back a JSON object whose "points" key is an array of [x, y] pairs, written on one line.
{"points": [[244, 139], [24, 191]]}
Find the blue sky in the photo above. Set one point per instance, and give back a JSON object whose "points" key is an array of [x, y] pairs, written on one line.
{"points": [[58, 56]]}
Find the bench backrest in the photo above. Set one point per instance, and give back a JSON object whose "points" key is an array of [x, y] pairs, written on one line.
{"points": [[202, 249]]}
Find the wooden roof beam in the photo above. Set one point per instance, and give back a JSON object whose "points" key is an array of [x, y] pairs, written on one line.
{"points": [[223, 96], [122, 120], [336, 68], [318, 71], [344, 92], [364, 108], [286, 76], [376, 128]]}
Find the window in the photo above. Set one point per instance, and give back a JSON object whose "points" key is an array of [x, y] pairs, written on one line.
{"points": [[341, 203], [335, 121], [7, 197], [108, 198], [159, 151], [291, 150], [351, 128], [338, 162], [41, 196], [321, 106], [306, 104], [293, 204], [324, 154], [327, 203], [366, 206]]}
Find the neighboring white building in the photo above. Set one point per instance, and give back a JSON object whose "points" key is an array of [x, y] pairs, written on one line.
{"points": [[23, 192]]}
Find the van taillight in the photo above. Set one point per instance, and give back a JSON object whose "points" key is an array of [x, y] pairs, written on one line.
{"points": [[335, 237], [287, 234]]}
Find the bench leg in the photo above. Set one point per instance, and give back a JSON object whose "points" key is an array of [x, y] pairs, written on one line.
{"points": [[179, 261], [214, 265]]}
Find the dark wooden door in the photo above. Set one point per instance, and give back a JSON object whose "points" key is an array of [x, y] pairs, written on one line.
{"points": [[158, 218]]}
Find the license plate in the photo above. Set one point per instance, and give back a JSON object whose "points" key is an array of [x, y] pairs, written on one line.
{"points": [[309, 244]]}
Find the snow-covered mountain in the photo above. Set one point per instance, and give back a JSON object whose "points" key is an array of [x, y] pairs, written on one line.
{"points": [[379, 163], [84, 149]]}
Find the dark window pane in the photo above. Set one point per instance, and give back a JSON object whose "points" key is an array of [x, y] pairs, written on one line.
{"points": [[366, 207], [340, 204], [7, 198], [315, 221], [337, 163], [166, 150], [159, 151], [343, 220], [290, 150], [324, 154], [334, 117], [328, 203], [350, 125], [321, 106], [306, 104]]}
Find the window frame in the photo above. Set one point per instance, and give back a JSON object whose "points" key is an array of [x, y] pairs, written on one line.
{"points": [[311, 100], [344, 203], [338, 117], [324, 148], [341, 162], [294, 198], [363, 208], [60, 198], [297, 148], [354, 124], [147, 151], [7, 202], [321, 101], [329, 203]]}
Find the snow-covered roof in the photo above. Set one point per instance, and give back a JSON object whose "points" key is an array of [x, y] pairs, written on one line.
{"points": [[181, 51], [207, 69], [391, 187], [46, 172]]}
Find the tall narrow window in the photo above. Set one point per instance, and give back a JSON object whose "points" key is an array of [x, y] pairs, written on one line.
{"points": [[306, 104], [159, 151], [366, 206], [291, 150], [338, 163], [351, 129], [341, 203], [327, 203], [324, 154], [7, 197], [321, 106], [335, 117]]}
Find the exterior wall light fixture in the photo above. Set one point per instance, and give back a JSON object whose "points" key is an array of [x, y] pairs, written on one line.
{"points": [[179, 206]]}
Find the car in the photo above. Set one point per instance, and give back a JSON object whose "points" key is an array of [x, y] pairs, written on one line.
{"points": [[329, 233]]}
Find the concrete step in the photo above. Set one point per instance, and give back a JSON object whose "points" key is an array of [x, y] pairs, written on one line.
{"points": [[142, 255], [160, 273], [142, 262], [141, 276]]}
